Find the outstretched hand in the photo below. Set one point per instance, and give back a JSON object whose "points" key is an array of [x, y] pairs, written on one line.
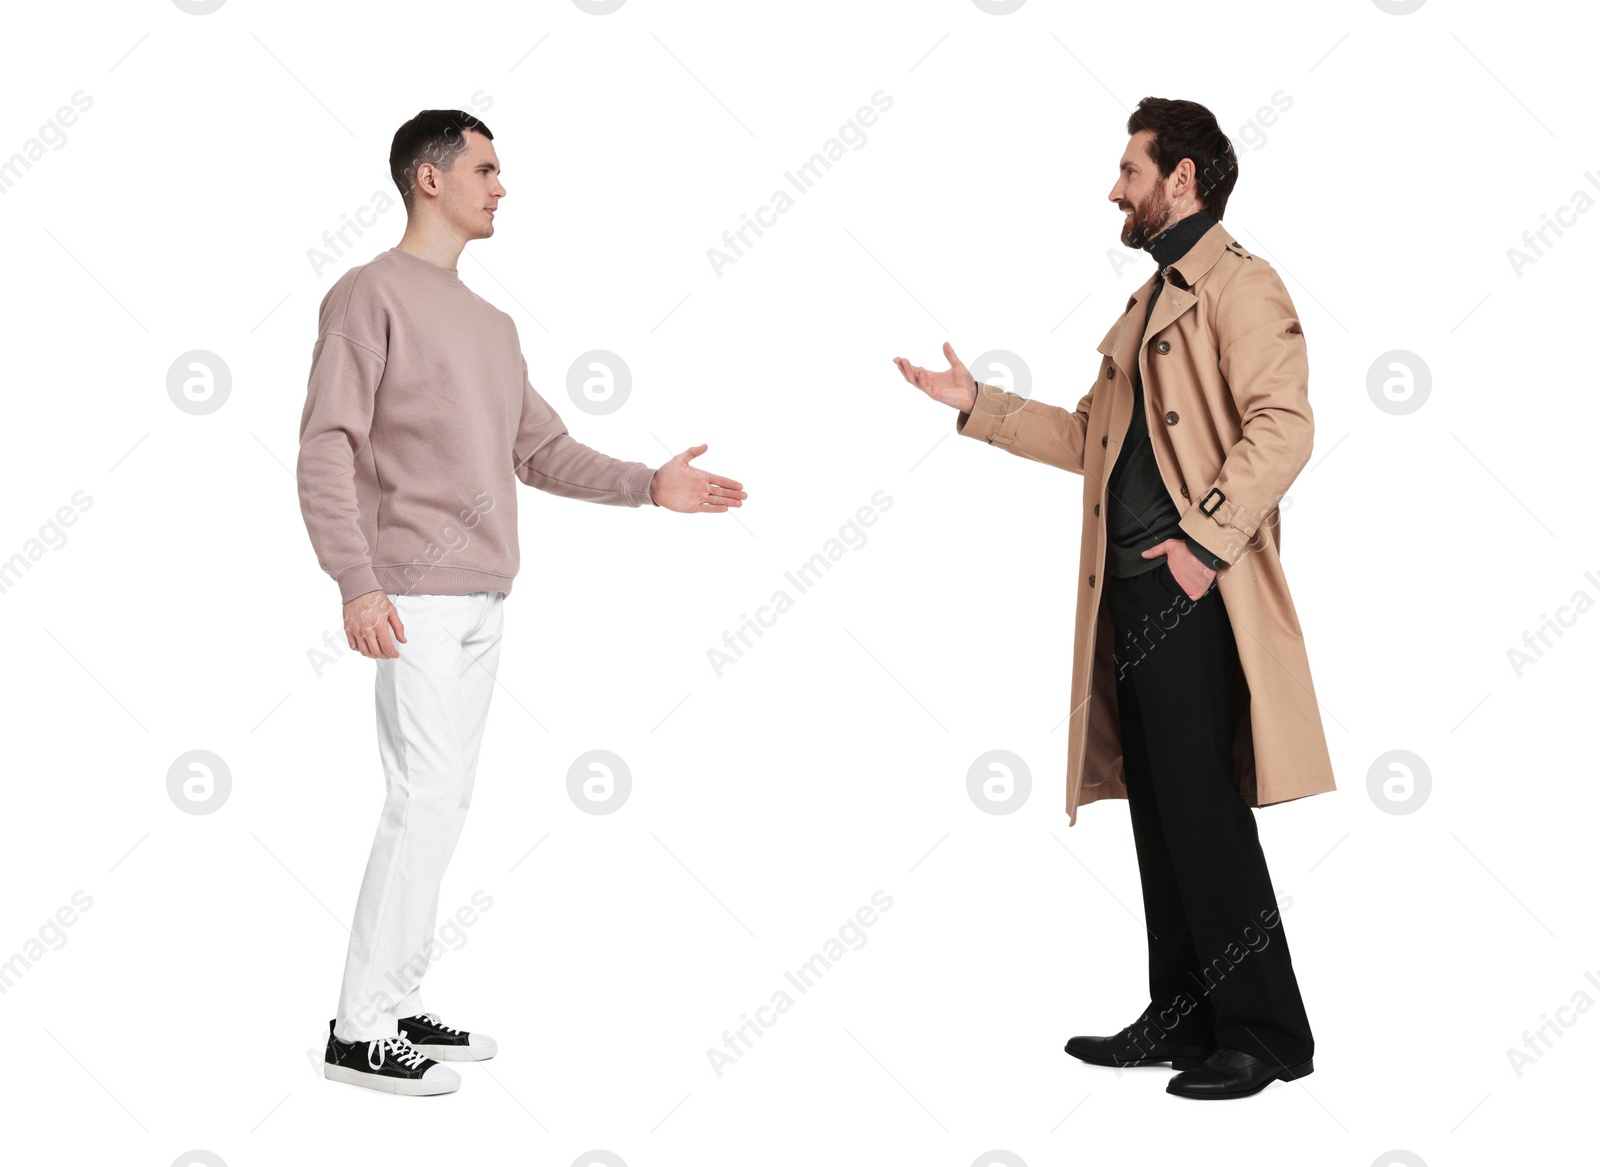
{"points": [[954, 387], [679, 486]]}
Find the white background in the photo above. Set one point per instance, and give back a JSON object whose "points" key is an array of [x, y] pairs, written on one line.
{"points": [[180, 213]]}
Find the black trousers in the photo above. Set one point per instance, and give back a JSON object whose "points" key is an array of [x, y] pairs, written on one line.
{"points": [[1220, 972]]}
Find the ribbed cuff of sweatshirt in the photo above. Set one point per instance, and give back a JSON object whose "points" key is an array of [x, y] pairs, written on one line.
{"points": [[357, 581], [648, 479]]}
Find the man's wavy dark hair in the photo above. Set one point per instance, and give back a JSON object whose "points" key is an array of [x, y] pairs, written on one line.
{"points": [[1187, 129], [434, 135]]}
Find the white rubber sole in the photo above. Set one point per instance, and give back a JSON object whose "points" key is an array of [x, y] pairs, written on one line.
{"points": [[461, 1053], [435, 1083]]}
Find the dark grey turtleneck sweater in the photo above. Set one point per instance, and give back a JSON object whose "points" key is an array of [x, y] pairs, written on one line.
{"points": [[1139, 511]]}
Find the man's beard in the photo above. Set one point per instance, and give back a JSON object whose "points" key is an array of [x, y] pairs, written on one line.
{"points": [[1149, 219]]}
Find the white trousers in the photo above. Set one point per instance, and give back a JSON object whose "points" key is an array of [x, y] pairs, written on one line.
{"points": [[433, 701]]}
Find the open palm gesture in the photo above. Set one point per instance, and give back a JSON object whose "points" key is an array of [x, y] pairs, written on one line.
{"points": [[954, 386]]}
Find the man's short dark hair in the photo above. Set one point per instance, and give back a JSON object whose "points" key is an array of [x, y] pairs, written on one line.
{"points": [[434, 135], [1187, 129]]}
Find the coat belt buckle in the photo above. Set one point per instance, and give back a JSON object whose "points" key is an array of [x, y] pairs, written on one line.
{"points": [[1221, 498]]}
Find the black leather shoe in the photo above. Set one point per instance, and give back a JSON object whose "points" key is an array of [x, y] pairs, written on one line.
{"points": [[1231, 1073], [1122, 1050]]}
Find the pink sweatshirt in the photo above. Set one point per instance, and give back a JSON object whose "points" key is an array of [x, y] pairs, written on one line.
{"points": [[418, 414]]}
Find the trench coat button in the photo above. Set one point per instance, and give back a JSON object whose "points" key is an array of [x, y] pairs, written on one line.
{"points": [[1184, 490], [1110, 372], [1091, 581], [1172, 418], [1096, 508], [1102, 442], [1162, 346]]}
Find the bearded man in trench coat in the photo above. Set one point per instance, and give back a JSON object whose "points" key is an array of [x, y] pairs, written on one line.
{"points": [[1191, 691]]}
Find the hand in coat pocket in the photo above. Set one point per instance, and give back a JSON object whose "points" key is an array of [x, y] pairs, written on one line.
{"points": [[1187, 571]]}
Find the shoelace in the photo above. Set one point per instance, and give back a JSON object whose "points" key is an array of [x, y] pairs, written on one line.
{"points": [[433, 1020], [403, 1051]]}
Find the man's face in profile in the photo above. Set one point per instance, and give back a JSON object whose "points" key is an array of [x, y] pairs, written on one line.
{"points": [[1141, 193]]}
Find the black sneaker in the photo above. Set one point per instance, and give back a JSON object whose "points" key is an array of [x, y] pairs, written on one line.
{"points": [[438, 1040], [391, 1064]]}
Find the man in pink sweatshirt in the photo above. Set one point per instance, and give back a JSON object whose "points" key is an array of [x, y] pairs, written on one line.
{"points": [[419, 420]]}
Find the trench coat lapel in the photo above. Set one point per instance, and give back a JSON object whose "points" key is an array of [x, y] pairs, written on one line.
{"points": [[1174, 302], [1120, 343], [1124, 343]]}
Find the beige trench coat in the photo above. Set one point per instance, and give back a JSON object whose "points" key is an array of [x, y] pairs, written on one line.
{"points": [[1224, 370]]}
